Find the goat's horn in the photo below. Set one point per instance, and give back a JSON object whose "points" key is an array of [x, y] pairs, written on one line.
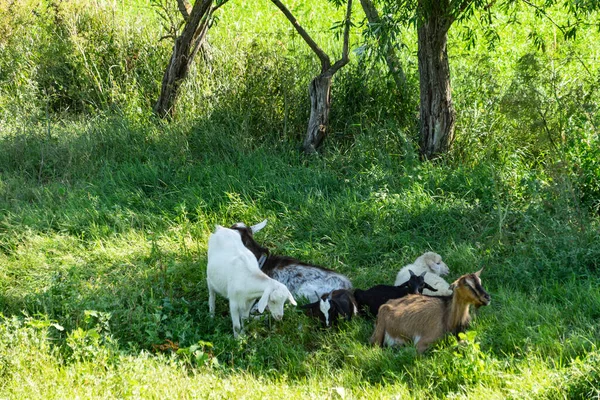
{"points": [[259, 226], [479, 272]]}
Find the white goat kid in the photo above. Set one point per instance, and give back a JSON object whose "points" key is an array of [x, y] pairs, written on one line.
{"points": [[431, 263], [232, 271]]}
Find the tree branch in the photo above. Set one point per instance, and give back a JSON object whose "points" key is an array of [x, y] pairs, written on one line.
{"points": [[218, 5], [185, 8], [325, 61], [391, 58], [346, 46], [201, 7], [462, 7], [541, 11]]}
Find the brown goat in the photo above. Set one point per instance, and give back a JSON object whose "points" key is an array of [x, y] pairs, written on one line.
{"points": [[425, 319]]}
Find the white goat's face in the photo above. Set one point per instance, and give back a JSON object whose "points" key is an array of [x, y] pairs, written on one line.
{"points": [[435, 263], [324, 306], [277, 298]]}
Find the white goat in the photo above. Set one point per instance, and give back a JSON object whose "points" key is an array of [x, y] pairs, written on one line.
{"points": [[233, 272], [432, 263], [302, 279]]}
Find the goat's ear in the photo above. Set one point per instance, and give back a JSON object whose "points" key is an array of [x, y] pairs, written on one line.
{"points": [[264, 300], [411, 273], [259, 226], [452, 286], [423, 274], [427, 286], [478, 272], [291, 299]]}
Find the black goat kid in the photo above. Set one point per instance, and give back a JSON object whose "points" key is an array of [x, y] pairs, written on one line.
{"points": [[331, 306], [378, 295]]}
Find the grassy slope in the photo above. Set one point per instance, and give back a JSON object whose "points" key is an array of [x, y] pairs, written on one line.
{"points": [[113, 214]]}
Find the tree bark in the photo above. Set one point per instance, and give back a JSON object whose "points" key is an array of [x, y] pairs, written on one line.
{"points": [[391, 59], [185, 47], [320, 104], [437, 115], [320, 87]]}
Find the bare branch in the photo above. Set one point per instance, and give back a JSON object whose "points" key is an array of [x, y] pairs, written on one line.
{"points": [[185, 8], [198, 12], [171, 36], [345, 49], [200, 34], [325, 61], [218, 5]]}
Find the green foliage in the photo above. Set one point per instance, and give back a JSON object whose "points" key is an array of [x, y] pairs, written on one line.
{"points": [[198, 354], [79, 58]]}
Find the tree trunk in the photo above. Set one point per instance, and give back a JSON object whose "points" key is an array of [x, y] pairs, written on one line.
{"points": [[184, 49], [437, 114], [320, 103], [393, 63], [320, 87]]}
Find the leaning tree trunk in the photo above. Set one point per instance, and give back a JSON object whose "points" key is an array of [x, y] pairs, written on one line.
{"points": [[320, 104], [436, 112], [185, 47], [393, 63]]}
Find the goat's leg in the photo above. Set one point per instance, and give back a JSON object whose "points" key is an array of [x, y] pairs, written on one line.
{"points": [[423, 344], [235, 318], [211, 300], [245, 309], [379, 333]]}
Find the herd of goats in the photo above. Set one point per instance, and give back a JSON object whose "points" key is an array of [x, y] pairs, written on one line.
{"points": [[421, 306]]}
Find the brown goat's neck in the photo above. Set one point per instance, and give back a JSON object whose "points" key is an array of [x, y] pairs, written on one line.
{"points": [[458, 318]]}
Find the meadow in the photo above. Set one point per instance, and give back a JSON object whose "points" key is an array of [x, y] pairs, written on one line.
{"points": [[105, 211]]}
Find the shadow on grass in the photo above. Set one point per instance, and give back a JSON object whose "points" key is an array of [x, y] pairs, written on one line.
{"points": [[115, 219]]}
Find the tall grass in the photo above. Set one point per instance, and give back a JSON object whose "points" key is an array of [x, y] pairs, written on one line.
{"points": [[105, 212]]}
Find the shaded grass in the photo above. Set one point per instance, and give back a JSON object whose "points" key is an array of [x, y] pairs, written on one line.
{"points": [[127, 237]]}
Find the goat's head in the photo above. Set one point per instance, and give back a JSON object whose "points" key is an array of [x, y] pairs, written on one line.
{"points": [[320, 308], [468, 288], [434, 262], [275, 296], [223, 236], [417, 283], [325, 307], [247, 234]]}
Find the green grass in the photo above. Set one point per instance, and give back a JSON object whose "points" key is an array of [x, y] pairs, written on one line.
{"points": [[105, 212]]}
